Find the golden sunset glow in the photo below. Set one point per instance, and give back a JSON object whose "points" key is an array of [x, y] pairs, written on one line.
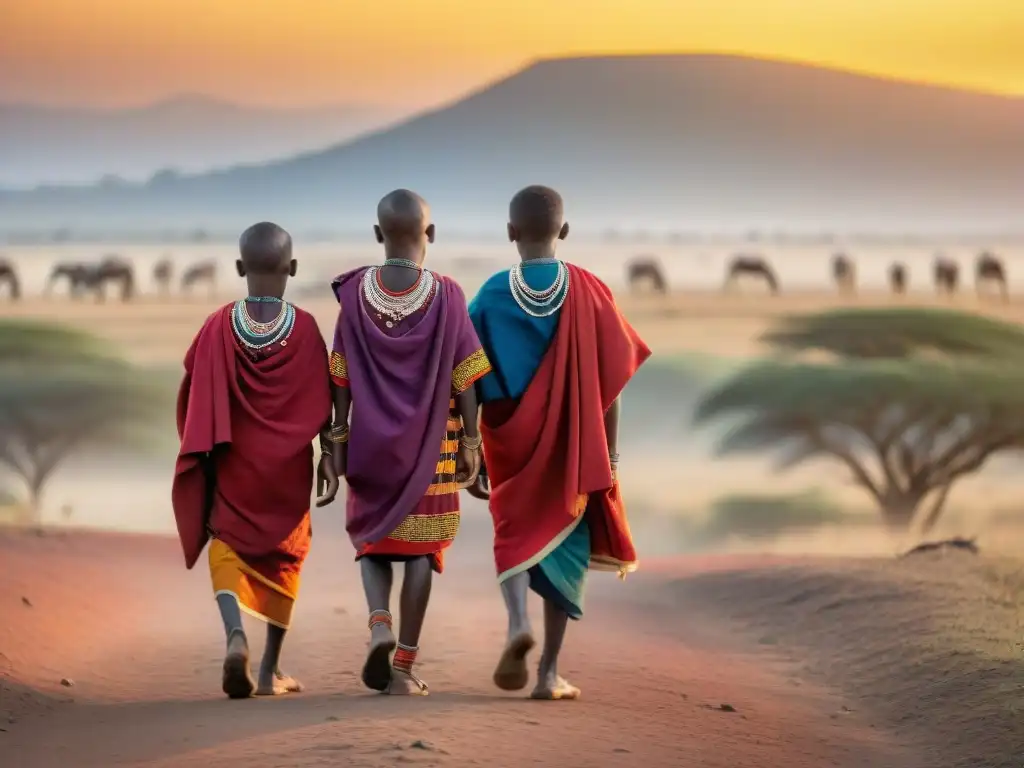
{"points": [[416, 52]]}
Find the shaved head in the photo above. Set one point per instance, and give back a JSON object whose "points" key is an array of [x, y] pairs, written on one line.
{"points": [[265, 249], [403, 218], [536, 214]]}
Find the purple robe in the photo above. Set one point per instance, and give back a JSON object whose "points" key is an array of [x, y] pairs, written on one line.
{"points": [[401, 384]]}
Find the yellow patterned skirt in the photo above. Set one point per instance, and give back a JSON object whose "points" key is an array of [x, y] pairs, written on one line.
{"points": [[431, 527], [268, 596]]}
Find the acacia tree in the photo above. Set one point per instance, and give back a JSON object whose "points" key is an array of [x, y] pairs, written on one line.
{"points": [[908, 401], [899, 334], [61, 392]]}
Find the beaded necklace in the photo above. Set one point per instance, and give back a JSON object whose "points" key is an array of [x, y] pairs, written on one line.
{"points": [[256, 335], [539, 303], [392, 307], [407, 263]]}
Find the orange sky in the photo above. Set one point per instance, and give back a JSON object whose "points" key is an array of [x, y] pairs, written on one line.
{"points": [[416, 52]]}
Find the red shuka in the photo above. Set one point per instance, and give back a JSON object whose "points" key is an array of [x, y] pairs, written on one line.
{"points": [[261, 413], [553, 447]]}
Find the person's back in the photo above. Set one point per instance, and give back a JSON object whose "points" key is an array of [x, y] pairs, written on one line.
{"points": [[253, 399], [513, 356], [404, 361], [561, 354]]}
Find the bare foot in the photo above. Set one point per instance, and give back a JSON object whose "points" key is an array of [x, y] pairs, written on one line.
{"points": [[511, 673], [406, 684], [557, 690], [237, 680], [278, 685], [377, 669]]}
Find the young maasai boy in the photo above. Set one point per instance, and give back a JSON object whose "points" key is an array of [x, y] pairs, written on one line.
{"points": [[405, 358], [562, 355], [254, 397]]}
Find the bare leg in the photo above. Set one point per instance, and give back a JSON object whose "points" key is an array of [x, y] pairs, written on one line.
{"points": [[377, 581], [511, 673], [415, 597], [549, 684], [555, 622], [416, 586], [272, 681], [237, 680], [515, 591], [230, 614]]}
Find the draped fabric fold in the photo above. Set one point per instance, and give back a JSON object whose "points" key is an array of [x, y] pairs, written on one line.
{"points": [[403, 428], [244, 472]]}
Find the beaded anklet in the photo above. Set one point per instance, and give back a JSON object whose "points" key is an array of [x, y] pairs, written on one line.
{"points": [[379, 617], [405, 657]]}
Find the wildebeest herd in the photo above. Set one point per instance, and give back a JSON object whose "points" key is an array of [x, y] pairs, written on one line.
{"points": [[645, 272], [93, 278]]}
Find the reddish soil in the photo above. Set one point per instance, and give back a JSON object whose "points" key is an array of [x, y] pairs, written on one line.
{"points": [[141, 641]]}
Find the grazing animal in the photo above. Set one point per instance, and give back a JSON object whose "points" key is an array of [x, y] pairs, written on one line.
{"points": [[203, 272], [114, 269], [79, 276], [163, 271], [93, 278], [844, 273], [946, 273], [898, 278], [9, 277], [989, 269], [958, 543], [645, 269], [754, 266]]}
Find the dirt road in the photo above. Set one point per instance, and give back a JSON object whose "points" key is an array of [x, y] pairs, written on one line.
{"points": [[140, 639]]}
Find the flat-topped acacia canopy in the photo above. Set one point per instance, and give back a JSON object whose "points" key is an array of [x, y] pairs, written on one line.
{"points": [[910, 401]]}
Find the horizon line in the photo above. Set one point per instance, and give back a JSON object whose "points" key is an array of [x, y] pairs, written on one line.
{"points": [[626, 235]]}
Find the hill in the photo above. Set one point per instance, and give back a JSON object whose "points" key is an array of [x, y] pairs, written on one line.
{"points": [[47, 145], [690, 142]]}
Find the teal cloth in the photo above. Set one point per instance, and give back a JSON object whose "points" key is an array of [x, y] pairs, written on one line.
{"points": [[516, 343], [561, 577]]}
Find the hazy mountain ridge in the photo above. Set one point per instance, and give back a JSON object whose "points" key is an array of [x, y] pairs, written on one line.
{"points": [[44, 145], [688, 142]]}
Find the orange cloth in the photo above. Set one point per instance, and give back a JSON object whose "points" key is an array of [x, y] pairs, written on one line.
{"points": [[266, 599]]}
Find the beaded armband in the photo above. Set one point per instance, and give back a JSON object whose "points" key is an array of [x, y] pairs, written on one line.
{"points": [[339, 369], [469, 371]]}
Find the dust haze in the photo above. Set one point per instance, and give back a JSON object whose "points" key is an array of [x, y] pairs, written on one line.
{"points": [[775, 594], [671, 476]]}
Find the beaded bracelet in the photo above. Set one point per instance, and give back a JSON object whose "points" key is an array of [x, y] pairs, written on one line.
{"points": [[338, 434], [472, 443]]}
